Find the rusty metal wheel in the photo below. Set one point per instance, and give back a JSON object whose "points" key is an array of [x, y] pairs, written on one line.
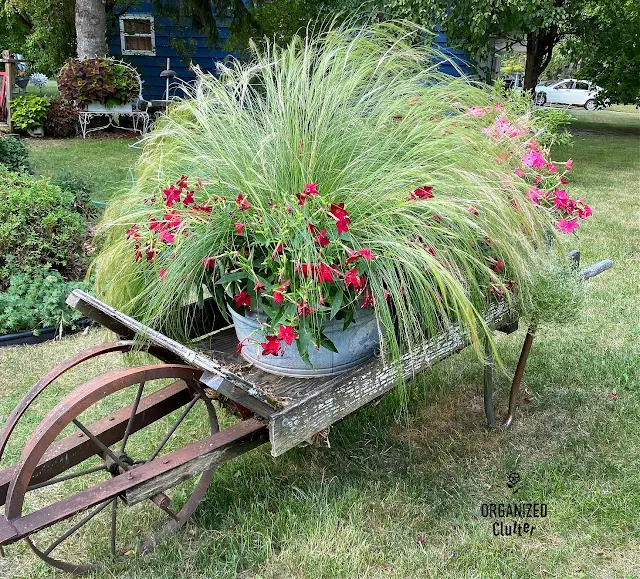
{"points": [[101, 431]]}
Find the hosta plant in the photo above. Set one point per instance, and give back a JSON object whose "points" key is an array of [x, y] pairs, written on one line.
{"points": [[337, 173]]}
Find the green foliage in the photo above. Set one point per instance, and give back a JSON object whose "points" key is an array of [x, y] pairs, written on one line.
{"points": [[98, 80], [360, 113], [609, 51], [553, 124], [29, 111], [62, 119], [38, 226], [81, 190], [14, 154], [36, 300]]}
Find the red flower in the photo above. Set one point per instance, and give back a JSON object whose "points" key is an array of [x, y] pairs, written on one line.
{"points": [[278, 297], [325, 273], [304, 309], [172, 218], [366, 254], [162, 272], [431, 251], [368, 300], [310, 189], [422, 193], [473, 211], [154, 224], [498, 266], [271, 346], [204, 208], [208, 262], [259, 286], [287, 334], [322, 238], [563, 181], [242, 203], [239, 228], [279, 250], [188, 199], [242, 299], [569, 164], [133, 232], [302, 198], [307, 269], [165, 236], [171, 195], [151, 254], [352, 278], [138, 254], [182, 182], [341, 216]]}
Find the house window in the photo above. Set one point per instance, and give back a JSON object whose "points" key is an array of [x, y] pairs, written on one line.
{"points": [[137, 35]]}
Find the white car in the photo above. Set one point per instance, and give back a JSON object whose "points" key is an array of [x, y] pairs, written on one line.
{"points": [[569, 92]]}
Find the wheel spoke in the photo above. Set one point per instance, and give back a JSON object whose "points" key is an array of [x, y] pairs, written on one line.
{"points": [[127, 432], [79, 524], [173, 429], [103, 447], [114, 520], [66, 477]]}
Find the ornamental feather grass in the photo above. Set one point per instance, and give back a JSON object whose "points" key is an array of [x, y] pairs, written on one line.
{"points": [[364, 115]]}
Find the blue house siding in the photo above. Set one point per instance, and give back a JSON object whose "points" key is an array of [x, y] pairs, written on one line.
{"points": [[150, 67]]}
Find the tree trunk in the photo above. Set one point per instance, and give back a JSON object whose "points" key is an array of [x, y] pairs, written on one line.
{"points": [[91, 28], [539, 50]]}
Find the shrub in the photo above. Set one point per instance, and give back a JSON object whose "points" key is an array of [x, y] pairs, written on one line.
{"points": [[62, 119], [36, 300], [553, 123], [81, 190], [38, 226], [29, 111], [14, 155], [337, 173], [98, 79]]}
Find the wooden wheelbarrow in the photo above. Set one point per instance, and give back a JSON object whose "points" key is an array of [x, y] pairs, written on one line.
{"points": [[102, 461]]}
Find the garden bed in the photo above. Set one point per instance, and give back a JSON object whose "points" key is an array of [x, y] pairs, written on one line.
{"points": [[30, 337]]}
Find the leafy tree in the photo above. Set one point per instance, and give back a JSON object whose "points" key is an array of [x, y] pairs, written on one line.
{"points": [[608, 50]]}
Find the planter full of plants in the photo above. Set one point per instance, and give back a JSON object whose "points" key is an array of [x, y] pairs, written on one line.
{"points": [[340, 197], [29, 113], [99, 84]]}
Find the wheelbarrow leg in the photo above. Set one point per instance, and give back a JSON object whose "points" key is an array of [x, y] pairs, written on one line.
{"points": [[515, 384]]}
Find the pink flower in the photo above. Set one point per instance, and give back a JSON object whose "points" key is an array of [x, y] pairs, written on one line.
{"points": [[172, 218], [287, 334], [477, 112], [538, 179], [271, 346], [171, 195], [519, 172], [162, 272], [567, 226], [310, 189], [473, 211], [242, 202], [561, 199], [535, 194], [208, 262], [498, 106], [278, 296], [352, 278], [242, 299], [552, 168], [182, 182], [584, 211], [534, 159], [569, 164], [166, 236], [239, 228], [563, 181]]}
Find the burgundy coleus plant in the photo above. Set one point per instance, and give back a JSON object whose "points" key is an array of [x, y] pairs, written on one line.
{"points": [[296, 263]]}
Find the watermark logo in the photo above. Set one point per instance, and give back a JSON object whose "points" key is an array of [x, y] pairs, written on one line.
{"points": [[508, 516]]}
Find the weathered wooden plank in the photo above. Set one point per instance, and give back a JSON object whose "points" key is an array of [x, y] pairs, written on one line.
{"points": [[234, 393], [212, 451], [344, 394], [126, 325]]}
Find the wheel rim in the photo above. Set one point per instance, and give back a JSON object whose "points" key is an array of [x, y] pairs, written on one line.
{"points": [[122, 521], [540, 99], [591, 105]]}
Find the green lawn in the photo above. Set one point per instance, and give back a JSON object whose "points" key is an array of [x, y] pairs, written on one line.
{"points": [[105, 162], [403, 498]]}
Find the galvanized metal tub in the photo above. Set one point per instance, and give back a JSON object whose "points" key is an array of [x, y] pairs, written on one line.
{"points": [[359, 342]]}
